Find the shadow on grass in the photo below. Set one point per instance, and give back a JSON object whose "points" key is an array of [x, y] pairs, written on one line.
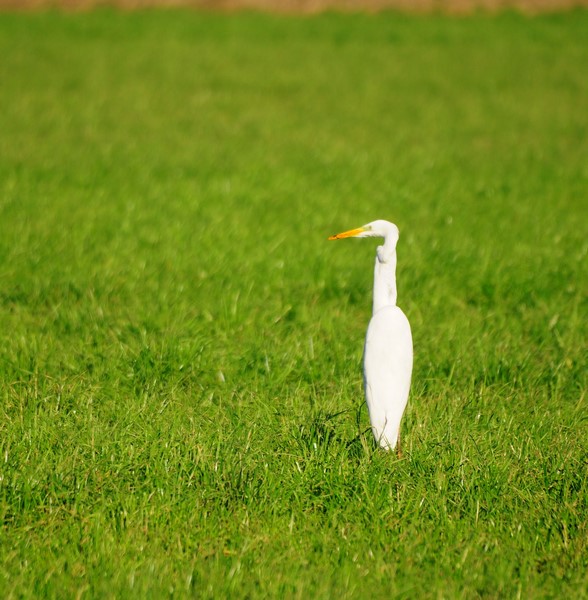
{"points": [[320, 435]]}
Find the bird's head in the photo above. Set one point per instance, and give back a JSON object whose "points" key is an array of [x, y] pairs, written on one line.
{"points": [[379, 228]]}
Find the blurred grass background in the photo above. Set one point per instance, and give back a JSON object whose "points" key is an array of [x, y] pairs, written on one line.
{"points": [[180, 346], [311, 6]]}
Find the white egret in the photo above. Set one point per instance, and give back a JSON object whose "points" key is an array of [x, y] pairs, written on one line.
{"points": [[387, 356]]}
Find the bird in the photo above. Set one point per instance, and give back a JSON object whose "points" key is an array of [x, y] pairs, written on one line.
{"points": [[388, 350]]}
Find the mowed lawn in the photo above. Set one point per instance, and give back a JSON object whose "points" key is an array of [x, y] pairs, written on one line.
{"points": [[180, 346]]}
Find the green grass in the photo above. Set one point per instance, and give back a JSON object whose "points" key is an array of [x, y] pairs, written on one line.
{"points": [[180, 347]]}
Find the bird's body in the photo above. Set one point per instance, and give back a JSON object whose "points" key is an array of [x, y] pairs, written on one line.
{"points": [[387, 368], [387, 358]]}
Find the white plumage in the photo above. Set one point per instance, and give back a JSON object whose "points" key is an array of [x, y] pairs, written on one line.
{"points": [[387, 358]]}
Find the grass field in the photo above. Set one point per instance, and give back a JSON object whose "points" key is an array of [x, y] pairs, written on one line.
{"points": [[180, 352]]}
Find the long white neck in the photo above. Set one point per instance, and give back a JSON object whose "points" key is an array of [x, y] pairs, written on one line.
{"points": [[385, 278]]}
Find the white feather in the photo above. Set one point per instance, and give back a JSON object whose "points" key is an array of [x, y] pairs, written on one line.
{"points": [[387, 357]]}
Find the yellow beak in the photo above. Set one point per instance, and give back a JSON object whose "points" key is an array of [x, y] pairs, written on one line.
{"points": [[346, 234]]}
